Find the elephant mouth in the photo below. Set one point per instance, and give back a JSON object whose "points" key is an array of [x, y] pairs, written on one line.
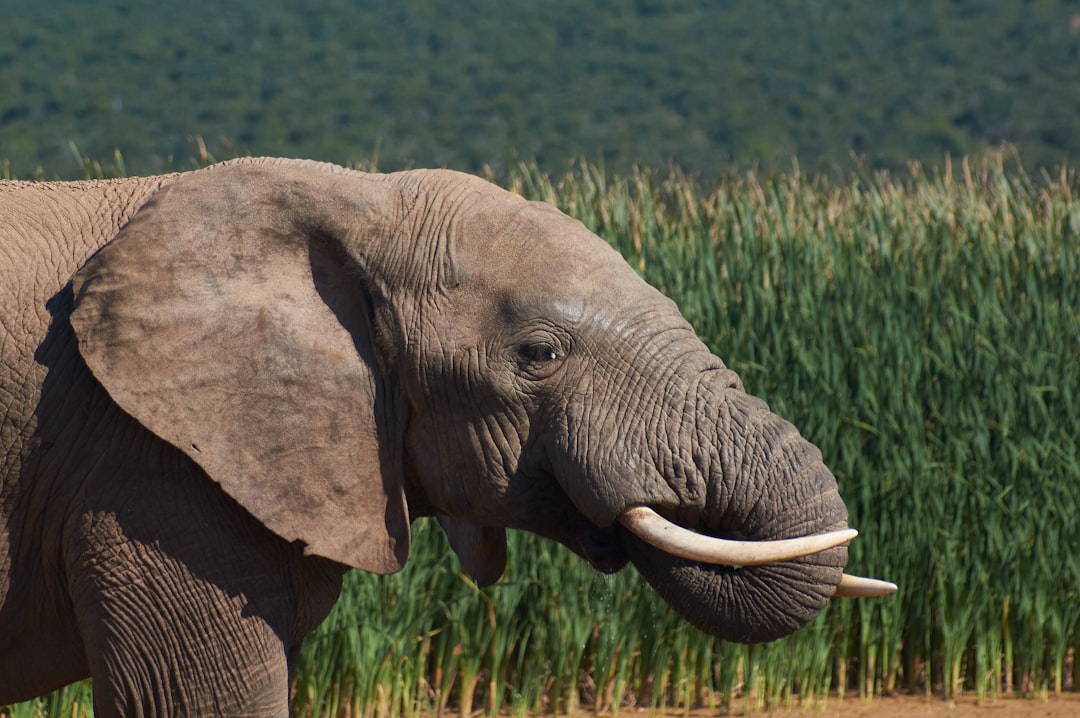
{"points": [[603, 549]]}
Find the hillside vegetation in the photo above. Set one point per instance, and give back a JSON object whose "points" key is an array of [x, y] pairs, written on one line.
{"points": [[710, 86]]}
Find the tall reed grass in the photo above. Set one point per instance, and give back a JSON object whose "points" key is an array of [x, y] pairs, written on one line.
{"points": [[924, 333]]}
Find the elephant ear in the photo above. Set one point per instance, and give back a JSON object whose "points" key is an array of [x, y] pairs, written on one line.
{"points": [[232, 320]]}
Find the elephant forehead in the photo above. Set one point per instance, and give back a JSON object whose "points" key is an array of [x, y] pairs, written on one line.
{"points": [[536, 249]]}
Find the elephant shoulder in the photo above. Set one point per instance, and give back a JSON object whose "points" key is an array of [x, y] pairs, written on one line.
{"points": [[47, 231]]}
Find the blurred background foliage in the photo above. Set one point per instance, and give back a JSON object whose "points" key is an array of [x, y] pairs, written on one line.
{"points": [[711, 87]]}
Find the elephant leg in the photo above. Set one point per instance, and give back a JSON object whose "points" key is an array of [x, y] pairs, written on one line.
{"points": [[39, 653], [164, 665], [186, 604], [40, 646]]}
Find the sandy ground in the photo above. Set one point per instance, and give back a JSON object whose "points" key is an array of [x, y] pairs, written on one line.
{"points": [[1064, 706]]}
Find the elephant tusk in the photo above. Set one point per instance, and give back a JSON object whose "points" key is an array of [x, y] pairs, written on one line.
{"points": [[654, 529], [859, 587]]}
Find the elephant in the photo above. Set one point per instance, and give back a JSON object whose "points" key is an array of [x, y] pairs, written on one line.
{"points": [[224, 388]]}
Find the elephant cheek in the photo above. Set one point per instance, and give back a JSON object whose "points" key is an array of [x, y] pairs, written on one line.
{"points": [[745, 605]]}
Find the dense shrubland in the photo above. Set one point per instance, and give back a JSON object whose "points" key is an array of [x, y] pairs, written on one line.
{"points": [[709, 86]]}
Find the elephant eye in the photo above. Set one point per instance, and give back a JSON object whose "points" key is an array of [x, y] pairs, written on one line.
{"points": [[541, 353], [537, 353]]}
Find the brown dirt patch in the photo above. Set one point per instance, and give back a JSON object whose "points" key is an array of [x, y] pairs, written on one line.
{"points": [[1063, 706]]}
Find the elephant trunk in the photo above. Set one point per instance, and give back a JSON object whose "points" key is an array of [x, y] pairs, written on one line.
{"points": [[755, 478]]}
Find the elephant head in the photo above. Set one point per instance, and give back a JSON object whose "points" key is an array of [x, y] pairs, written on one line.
{"points": [[344, 352]]}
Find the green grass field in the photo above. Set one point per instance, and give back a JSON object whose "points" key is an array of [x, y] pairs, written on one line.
{"points": [[925, 334]]}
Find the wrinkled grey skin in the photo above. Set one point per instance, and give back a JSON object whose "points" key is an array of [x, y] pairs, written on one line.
{"points": [[220, 389]]}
